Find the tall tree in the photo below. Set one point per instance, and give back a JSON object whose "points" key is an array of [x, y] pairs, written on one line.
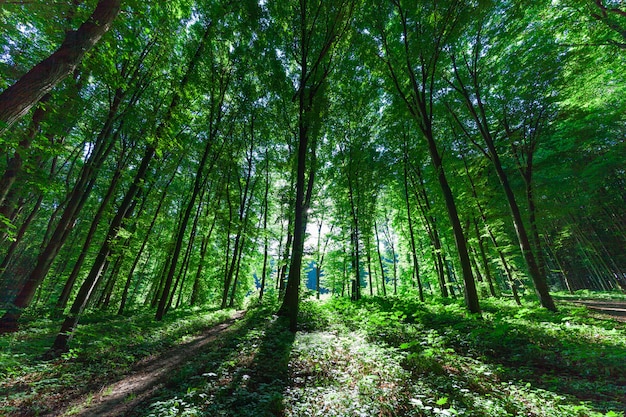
{"points": [[410, 39], [319, 27], [467, 72], [219, 83]]}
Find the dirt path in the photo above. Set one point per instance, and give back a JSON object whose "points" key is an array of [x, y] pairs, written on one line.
{"points": [[146, 378], [615, 309]]}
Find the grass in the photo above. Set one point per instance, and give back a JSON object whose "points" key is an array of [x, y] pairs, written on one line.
{"points": [[378, 357]]}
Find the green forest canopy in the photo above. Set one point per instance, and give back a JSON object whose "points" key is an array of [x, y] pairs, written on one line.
{"points": [[190, 152]]}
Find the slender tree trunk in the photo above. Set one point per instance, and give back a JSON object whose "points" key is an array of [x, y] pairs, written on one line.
{"points": [[199, 178], [471, 295], [313, 73], [419, 102], [124, 211], [411, 232], [19, 235], [354, 238], [539, 281], [165, 299], [368, 258], [233, 292], [290, 304], [129, 277], [186, 259], [281, 274], [107, 292], [430, 222], [14, 165], [394, 259], [19, 98], [483, 257], [158, 284], [76, 201], [265, 216], [483, 216], [245, 199], [69, 284], [477, 111], [195, 291], [380, 260]]}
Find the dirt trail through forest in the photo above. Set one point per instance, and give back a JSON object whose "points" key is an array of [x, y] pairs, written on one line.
{"points": [[119, 398], [146, 378]]}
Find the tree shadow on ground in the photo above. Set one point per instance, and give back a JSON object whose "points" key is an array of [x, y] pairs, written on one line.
{"points": [[244, 372]]}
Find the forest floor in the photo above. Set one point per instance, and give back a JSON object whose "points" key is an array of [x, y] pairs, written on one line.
{"points": [[615, 309], [144, 379], [379, 357]]}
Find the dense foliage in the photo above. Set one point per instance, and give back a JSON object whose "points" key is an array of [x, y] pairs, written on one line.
{"points": [[161, 157]]}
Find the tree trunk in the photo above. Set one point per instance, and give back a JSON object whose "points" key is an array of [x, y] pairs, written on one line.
{"points": [[290, 303], [411, 232], [265, 215], [199, 178], [354, 238], [14, 165], [430, 222], [143, 244], [368, 258], [19, 98], [19, 235], [76, 200], [204, 245], [471, 295], [314, 70], [182, 228], [477, 111], [483, 257], [124, 211], [380, 260], [69, 284]]}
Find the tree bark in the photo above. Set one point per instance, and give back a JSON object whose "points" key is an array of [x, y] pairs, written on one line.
{"points": [[199, 178], [419, 101], [14, 165], [19, 98], [143, 244], [380, 260], [430, 222], [477, 111], [265, 216], [471, 295]]}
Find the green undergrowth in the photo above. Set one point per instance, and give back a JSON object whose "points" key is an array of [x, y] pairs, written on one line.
{"points": [[591, 295], [103, 349], [399, 357], [512, 361], [388, 356]]}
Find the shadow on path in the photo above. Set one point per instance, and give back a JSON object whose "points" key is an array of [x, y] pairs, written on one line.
{"points": [[147, 377]]}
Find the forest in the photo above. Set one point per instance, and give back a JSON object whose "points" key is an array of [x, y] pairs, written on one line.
{"points": [[313, 207]]}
